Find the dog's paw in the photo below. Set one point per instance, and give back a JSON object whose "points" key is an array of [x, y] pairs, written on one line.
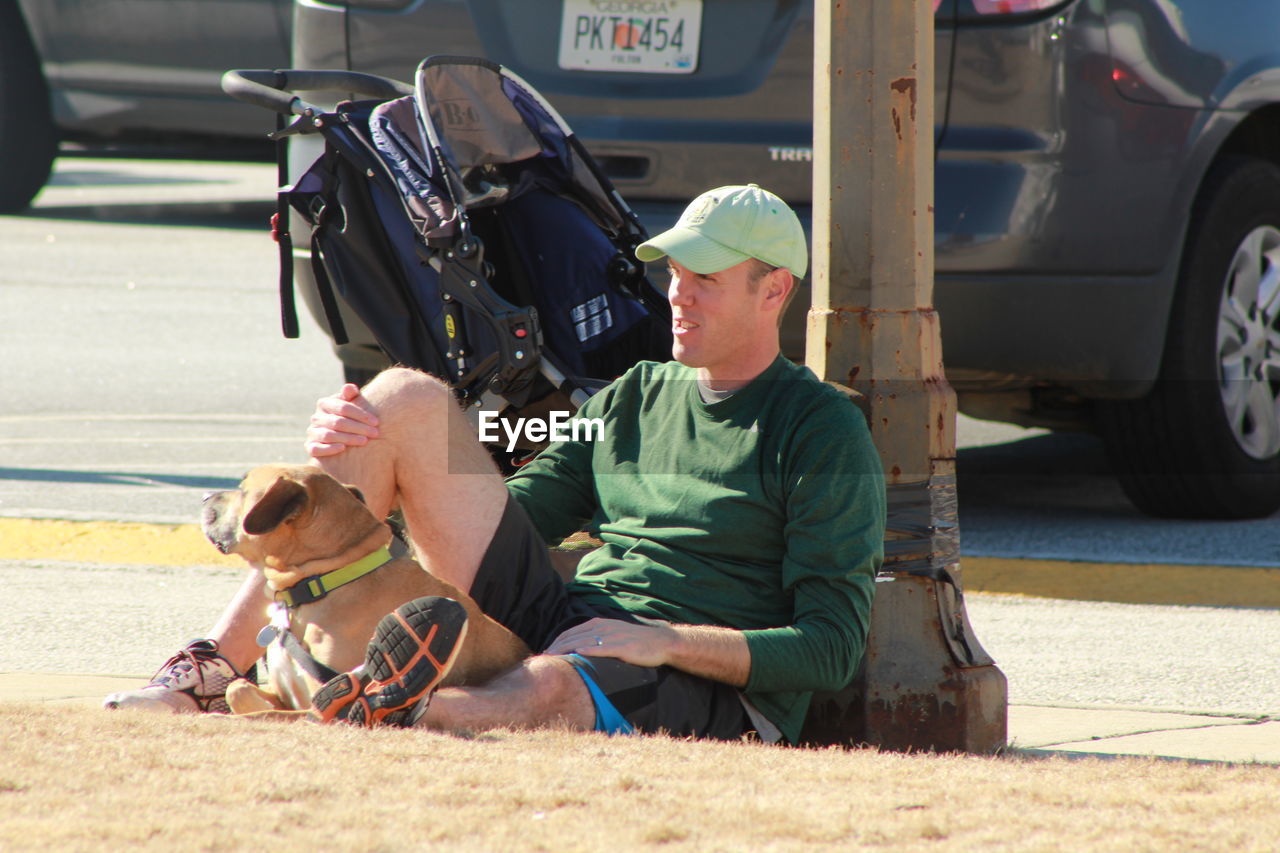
{"points": [[245, 697]]}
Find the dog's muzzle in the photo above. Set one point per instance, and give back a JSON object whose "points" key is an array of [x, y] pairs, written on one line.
{"points": [[220, 526]]}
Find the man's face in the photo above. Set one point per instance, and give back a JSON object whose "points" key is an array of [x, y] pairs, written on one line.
{"points": [[718, 318]]}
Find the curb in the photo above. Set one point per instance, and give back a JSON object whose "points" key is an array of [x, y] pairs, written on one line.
{"points": [[138, 543], [1126, 583], [109, 542]]}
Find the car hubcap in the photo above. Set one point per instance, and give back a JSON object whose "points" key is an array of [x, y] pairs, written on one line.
{"points": [[1249, 343]]}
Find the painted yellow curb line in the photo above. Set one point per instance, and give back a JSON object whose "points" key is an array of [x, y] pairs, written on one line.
{"points": [[112, 542], [131, 543], [1129, 583]]}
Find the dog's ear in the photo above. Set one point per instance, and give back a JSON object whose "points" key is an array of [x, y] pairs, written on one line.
{"points": [[359, 494], [283, 501]]}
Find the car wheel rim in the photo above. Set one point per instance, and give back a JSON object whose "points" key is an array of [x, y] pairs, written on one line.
{"points": [[1249, 343]]}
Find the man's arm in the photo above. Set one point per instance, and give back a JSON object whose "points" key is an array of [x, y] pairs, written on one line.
{"points": [[835, 507], [708, 651]]}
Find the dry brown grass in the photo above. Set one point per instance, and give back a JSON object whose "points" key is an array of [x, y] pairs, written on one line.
{"points": [[74, 778]]}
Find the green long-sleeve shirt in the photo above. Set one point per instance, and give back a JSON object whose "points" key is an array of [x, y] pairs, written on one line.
{"points": [[763, 512]]}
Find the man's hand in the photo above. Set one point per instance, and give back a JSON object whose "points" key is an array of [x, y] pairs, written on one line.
{"points": [[720, 654], [642, 645], [343, 420]]}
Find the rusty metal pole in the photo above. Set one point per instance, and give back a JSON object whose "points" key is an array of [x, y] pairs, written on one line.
{"points": [[926, 681]]}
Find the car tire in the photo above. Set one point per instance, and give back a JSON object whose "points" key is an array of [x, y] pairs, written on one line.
{"points": [[28, 138], [1205, 442]]}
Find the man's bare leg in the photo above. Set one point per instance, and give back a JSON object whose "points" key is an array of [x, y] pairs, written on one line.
{"points": [[427, 462], [236, 630], [543, 691]]}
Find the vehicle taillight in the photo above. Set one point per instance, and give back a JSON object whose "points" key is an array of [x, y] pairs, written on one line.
{"points": [[1011, 7]]}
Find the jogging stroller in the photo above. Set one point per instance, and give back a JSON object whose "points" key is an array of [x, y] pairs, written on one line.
{"points": [[468, 228]]}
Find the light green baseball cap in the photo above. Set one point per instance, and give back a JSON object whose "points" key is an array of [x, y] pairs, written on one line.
{"points": [[728, 225]]}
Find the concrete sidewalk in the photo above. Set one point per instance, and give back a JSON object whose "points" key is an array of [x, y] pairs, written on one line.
{"points": [[1033, 730]]}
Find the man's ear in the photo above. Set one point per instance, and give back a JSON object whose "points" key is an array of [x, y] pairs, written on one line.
{"points": [[282, 502], [778, 286]]}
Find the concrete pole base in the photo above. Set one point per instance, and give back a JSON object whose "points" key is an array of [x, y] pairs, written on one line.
{"points": [[925, 683]]}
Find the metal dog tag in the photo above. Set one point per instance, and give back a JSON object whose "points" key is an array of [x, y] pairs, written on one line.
{"points": [[266, 635]]}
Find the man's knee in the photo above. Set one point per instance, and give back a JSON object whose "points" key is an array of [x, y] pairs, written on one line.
{"points": [[402, 394], [556, 677], [405, 385], [560, 693]]}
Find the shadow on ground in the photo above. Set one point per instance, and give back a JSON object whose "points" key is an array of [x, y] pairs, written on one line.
{"points": [[116, 478], [237, 215], [1054, 471]]}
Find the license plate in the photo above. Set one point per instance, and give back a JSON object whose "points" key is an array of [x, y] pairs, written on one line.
{"points": [[651, 36]]}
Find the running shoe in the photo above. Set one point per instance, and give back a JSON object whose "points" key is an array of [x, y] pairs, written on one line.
{"points": [[411, 652], [192, 681]]}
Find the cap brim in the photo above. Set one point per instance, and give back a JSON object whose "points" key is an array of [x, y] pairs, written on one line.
{"points": [[691, 250]]}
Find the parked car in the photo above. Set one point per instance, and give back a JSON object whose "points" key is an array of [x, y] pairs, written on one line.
{"points": [[1107, 189], [128, 71]]}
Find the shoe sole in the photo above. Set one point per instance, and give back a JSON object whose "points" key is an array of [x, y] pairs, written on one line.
{"points": [[412, 650]]}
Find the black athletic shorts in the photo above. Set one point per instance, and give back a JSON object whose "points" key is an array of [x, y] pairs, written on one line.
{"points": [[517, 586]]}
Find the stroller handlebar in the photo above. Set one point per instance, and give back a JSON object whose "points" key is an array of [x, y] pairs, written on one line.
{"points": [[273, 90]]}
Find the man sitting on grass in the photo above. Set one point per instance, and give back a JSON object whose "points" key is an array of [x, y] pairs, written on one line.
{"points": [[739, 499]]}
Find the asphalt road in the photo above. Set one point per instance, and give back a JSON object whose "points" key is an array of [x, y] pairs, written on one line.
{"points": [[143, 357], [143, 365]]}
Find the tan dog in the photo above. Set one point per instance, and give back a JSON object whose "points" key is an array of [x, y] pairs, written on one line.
{"points": [[297, 522]]}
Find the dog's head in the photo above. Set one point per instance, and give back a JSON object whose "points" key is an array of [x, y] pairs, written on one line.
{"points": [[286, 515]]}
